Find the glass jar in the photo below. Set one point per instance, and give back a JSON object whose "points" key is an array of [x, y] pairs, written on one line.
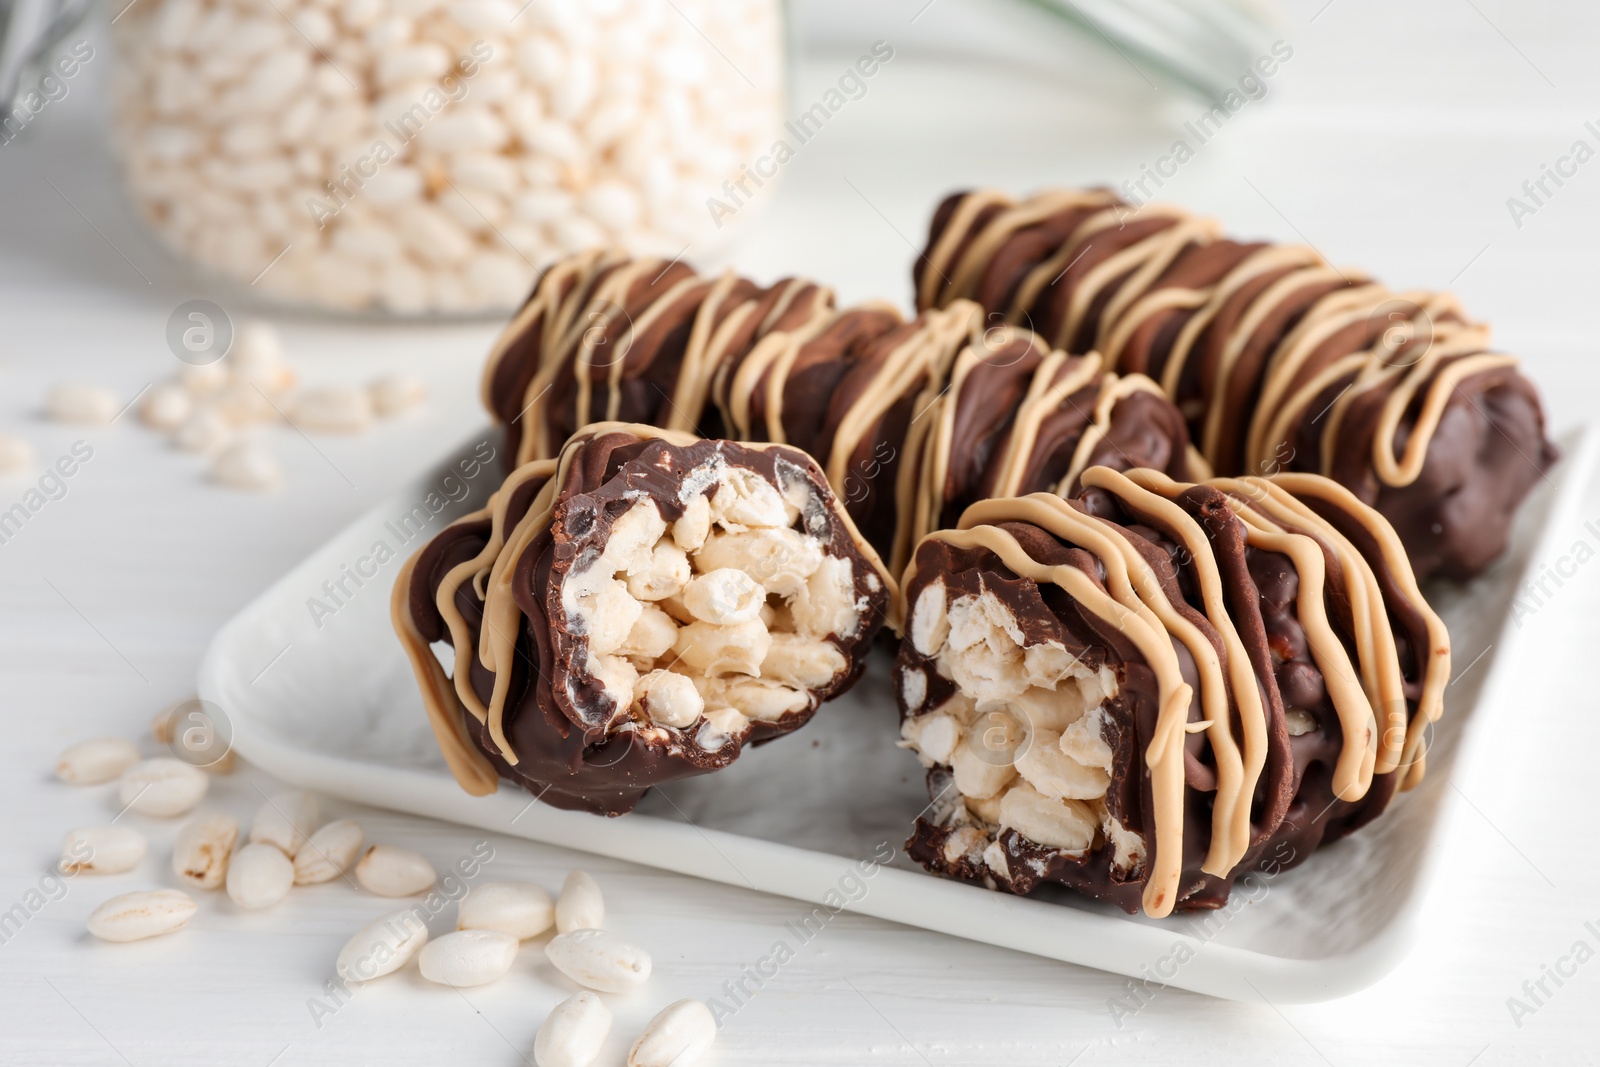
{"points": [[426, 156]]}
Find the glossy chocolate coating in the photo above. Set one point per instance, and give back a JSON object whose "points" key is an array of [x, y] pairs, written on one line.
{"points": [[1488, 449]]}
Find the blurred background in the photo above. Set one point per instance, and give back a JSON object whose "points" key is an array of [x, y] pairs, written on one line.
{"points": [[380, 179]]}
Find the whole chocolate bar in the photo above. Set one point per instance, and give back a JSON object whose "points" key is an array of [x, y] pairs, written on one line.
{"points": [[1141, 692], [608, 337], [1279, 360], [636, 611]]}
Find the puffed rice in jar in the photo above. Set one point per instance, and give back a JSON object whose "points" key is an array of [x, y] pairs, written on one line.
{"points": [[423, 156]]}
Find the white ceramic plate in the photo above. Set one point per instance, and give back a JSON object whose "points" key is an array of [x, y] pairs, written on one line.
{"points": [[326, 702]]}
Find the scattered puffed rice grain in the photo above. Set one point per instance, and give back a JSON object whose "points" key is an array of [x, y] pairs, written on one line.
{"points": [[161, 723], [678, 1036], [166, 406], [332, 409], [574, 1032], [600, 960], [15, 454], [395, 394], [285, 821], [73, 402], [520, 909], [382, 947], [204, 378], [395, 871], [164, 726], [101, 850], [206, 431], [580, 907], [259, 876], [243, 403], [468, 957], [328, 853], [200, 854], [135, 916], [162, 787], [246, 466], [257, 357], [98, 760]]}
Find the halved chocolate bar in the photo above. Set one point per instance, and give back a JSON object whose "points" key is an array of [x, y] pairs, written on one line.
{"points": [[636, 611], [1141, 692]]}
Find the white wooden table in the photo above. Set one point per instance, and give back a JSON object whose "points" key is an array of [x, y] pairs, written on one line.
{"points": [[1391, 139]]}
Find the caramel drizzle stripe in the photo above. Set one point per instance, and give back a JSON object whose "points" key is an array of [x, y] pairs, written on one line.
{"points": [[1262, 261], [702, 390], [1113, 391], [961, 220], [1155, 255], [1439, 312], [1334, 312], [1045, 396], [776, 353], [1148, 305], [1444, 382], [688, 392], [1374, 630], [1197, 463], [610, 301], [821, 302], [1123, 610], [967, 318], [479, 568], [566, 330], [966, 277], [542, 302], [560, 308], [746, 373], [934, 468], [1294, 408], [497, 641], [1376, 373], [444, 698], [772, 345], [641, 325], [1047, 272], [1352, 773], [924, 357], [1262, 307], [1237, 775], [1434, 662], [467, 765]]}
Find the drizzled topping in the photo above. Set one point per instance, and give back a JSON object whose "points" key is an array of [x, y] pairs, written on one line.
{"points": [[1018, 418], [608, 337], [877, 400], [1254, 341]]}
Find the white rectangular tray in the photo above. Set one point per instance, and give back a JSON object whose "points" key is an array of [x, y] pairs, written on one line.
{"points": [[327, 702]]}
